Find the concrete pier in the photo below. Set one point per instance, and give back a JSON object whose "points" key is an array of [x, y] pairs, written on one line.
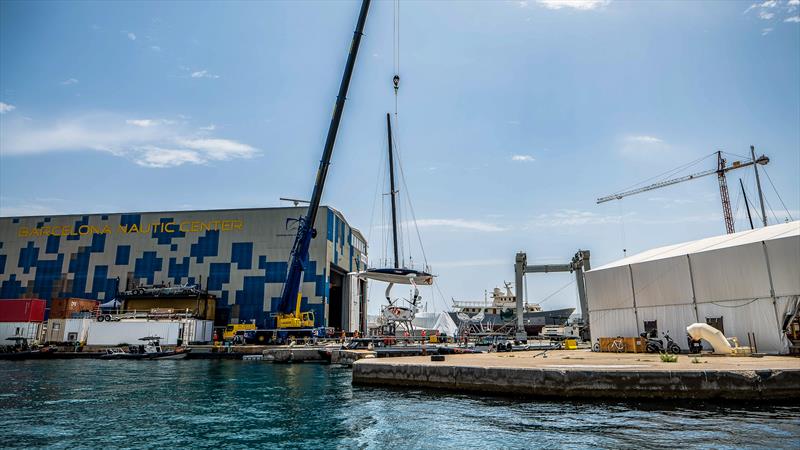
{"points": [[584, 374]]}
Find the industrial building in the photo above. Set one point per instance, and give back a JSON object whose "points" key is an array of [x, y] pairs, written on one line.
{"points": [[238, 255], [740, 283]]}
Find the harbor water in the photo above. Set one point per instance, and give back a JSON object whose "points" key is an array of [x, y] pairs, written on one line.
{"points": [[241, 404]]}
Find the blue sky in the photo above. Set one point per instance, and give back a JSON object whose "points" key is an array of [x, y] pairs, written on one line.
{"points": [[513, 117]]}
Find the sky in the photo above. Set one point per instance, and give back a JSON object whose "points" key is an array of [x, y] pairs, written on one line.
{"points": [[512, 119]]}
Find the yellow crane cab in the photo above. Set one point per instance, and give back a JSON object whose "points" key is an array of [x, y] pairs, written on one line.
{"points": [[231, 329]]}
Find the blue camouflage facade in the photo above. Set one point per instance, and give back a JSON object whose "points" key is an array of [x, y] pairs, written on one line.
{"points": [[238, 255]]}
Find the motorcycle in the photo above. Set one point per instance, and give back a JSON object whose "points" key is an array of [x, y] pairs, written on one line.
{"points": [[657, 345]]}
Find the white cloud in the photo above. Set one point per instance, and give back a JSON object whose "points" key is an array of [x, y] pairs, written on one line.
{"points": [[459, 224], [131, 36], [148, 142], [155, 48], [583, 5], [523, 158], [795, 19], [766, 31], [5, 107], [644, 139], [211, 127], [203, 74], [144, 123], [69, 81], [642, 146], [766, 15], [769, 4], [794, 3]]}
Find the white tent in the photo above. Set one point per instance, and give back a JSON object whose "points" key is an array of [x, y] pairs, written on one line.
{"points": [[748, 282], [435, 321]]}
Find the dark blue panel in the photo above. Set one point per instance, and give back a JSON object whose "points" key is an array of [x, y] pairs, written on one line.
{"points": [[48, 273], [242, 255], [39, 224], [79, 265], [11, 288], [275, 272], [27, 257], [191, 280], [52, 244], [47, 219], [123, 255], [147, 266], [218, 274], [251, 302], [98, 243], [127, 220], [330, 225], [100, 282], [207, 245], [165, 237], [83, 221], [2, 264], [177, 271], [173, 247]]}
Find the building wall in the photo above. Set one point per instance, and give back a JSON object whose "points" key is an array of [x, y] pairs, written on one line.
{"points": [[238, 255]]}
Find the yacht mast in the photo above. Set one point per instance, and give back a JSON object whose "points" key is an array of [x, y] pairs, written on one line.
{"points": [[392, 191]]}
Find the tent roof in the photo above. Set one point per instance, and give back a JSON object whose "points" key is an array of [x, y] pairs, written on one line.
{"points": [[712, 243]]}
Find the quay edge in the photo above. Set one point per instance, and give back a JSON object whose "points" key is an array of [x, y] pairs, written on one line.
{"points": [[757, 383]]}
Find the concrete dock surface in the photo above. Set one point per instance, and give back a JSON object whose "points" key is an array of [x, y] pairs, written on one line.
{"points": [[574, 374]]}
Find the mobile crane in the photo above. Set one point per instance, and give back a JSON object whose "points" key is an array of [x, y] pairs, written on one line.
{"points": [[289, 314]]}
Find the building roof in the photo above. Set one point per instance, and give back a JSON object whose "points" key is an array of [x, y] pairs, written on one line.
{"points": [[711, 243]]}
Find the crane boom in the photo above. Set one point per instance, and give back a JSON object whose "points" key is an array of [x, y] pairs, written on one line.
{"points": [[720, 170], [289, 314], [736, 165]]}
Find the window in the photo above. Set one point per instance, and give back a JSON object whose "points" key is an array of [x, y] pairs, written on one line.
{"points": [[72, 337], [716, 322], [651, 328], [56, 326]]}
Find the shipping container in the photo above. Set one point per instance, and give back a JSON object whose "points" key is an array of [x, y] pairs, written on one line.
{"points": [[68, 308], [28, 330], [129, 332], [67, 330], [22, 310], [197, 331]]}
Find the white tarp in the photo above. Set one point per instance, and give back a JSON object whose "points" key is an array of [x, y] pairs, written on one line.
{"points": [[784, 260], [662, 282], [611, 289], [731, 273], [438, 321]]}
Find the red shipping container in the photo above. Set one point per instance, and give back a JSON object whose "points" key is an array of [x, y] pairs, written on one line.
{"points": [[22, 310]]}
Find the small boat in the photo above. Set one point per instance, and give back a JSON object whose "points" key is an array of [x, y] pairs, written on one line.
{"points": [[20, 350], [151, 350]]}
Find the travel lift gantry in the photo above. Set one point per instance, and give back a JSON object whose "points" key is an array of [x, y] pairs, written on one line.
{"points": [[579, 265]]}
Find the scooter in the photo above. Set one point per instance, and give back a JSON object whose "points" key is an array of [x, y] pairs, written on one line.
{"points": [[657, 345]]}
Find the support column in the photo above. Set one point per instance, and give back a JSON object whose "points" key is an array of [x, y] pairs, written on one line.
{"points": [[519, 272]]}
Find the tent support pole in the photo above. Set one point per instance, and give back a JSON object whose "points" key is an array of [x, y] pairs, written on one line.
{"points": [[633, 293], [694, 296]]}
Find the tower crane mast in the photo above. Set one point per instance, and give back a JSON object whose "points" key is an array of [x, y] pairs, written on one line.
{"points": [[721, 169]]}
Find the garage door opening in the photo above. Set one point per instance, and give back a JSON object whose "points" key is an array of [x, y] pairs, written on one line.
{"points": [[336, 298]]}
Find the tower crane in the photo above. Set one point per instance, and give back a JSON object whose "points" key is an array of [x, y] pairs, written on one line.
{"points": [[721, 169]]}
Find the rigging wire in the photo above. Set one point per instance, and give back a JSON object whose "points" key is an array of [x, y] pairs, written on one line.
{"points": [[670, 173], [777, 193], [556, 292]]}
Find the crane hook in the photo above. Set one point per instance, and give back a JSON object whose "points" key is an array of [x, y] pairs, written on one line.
{"points": [[396, 81]]}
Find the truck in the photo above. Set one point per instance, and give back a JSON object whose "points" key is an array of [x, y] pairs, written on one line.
{"points": [[560, 333]]}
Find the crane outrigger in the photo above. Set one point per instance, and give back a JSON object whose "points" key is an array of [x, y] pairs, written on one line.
{"points": [[289, 314]]}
